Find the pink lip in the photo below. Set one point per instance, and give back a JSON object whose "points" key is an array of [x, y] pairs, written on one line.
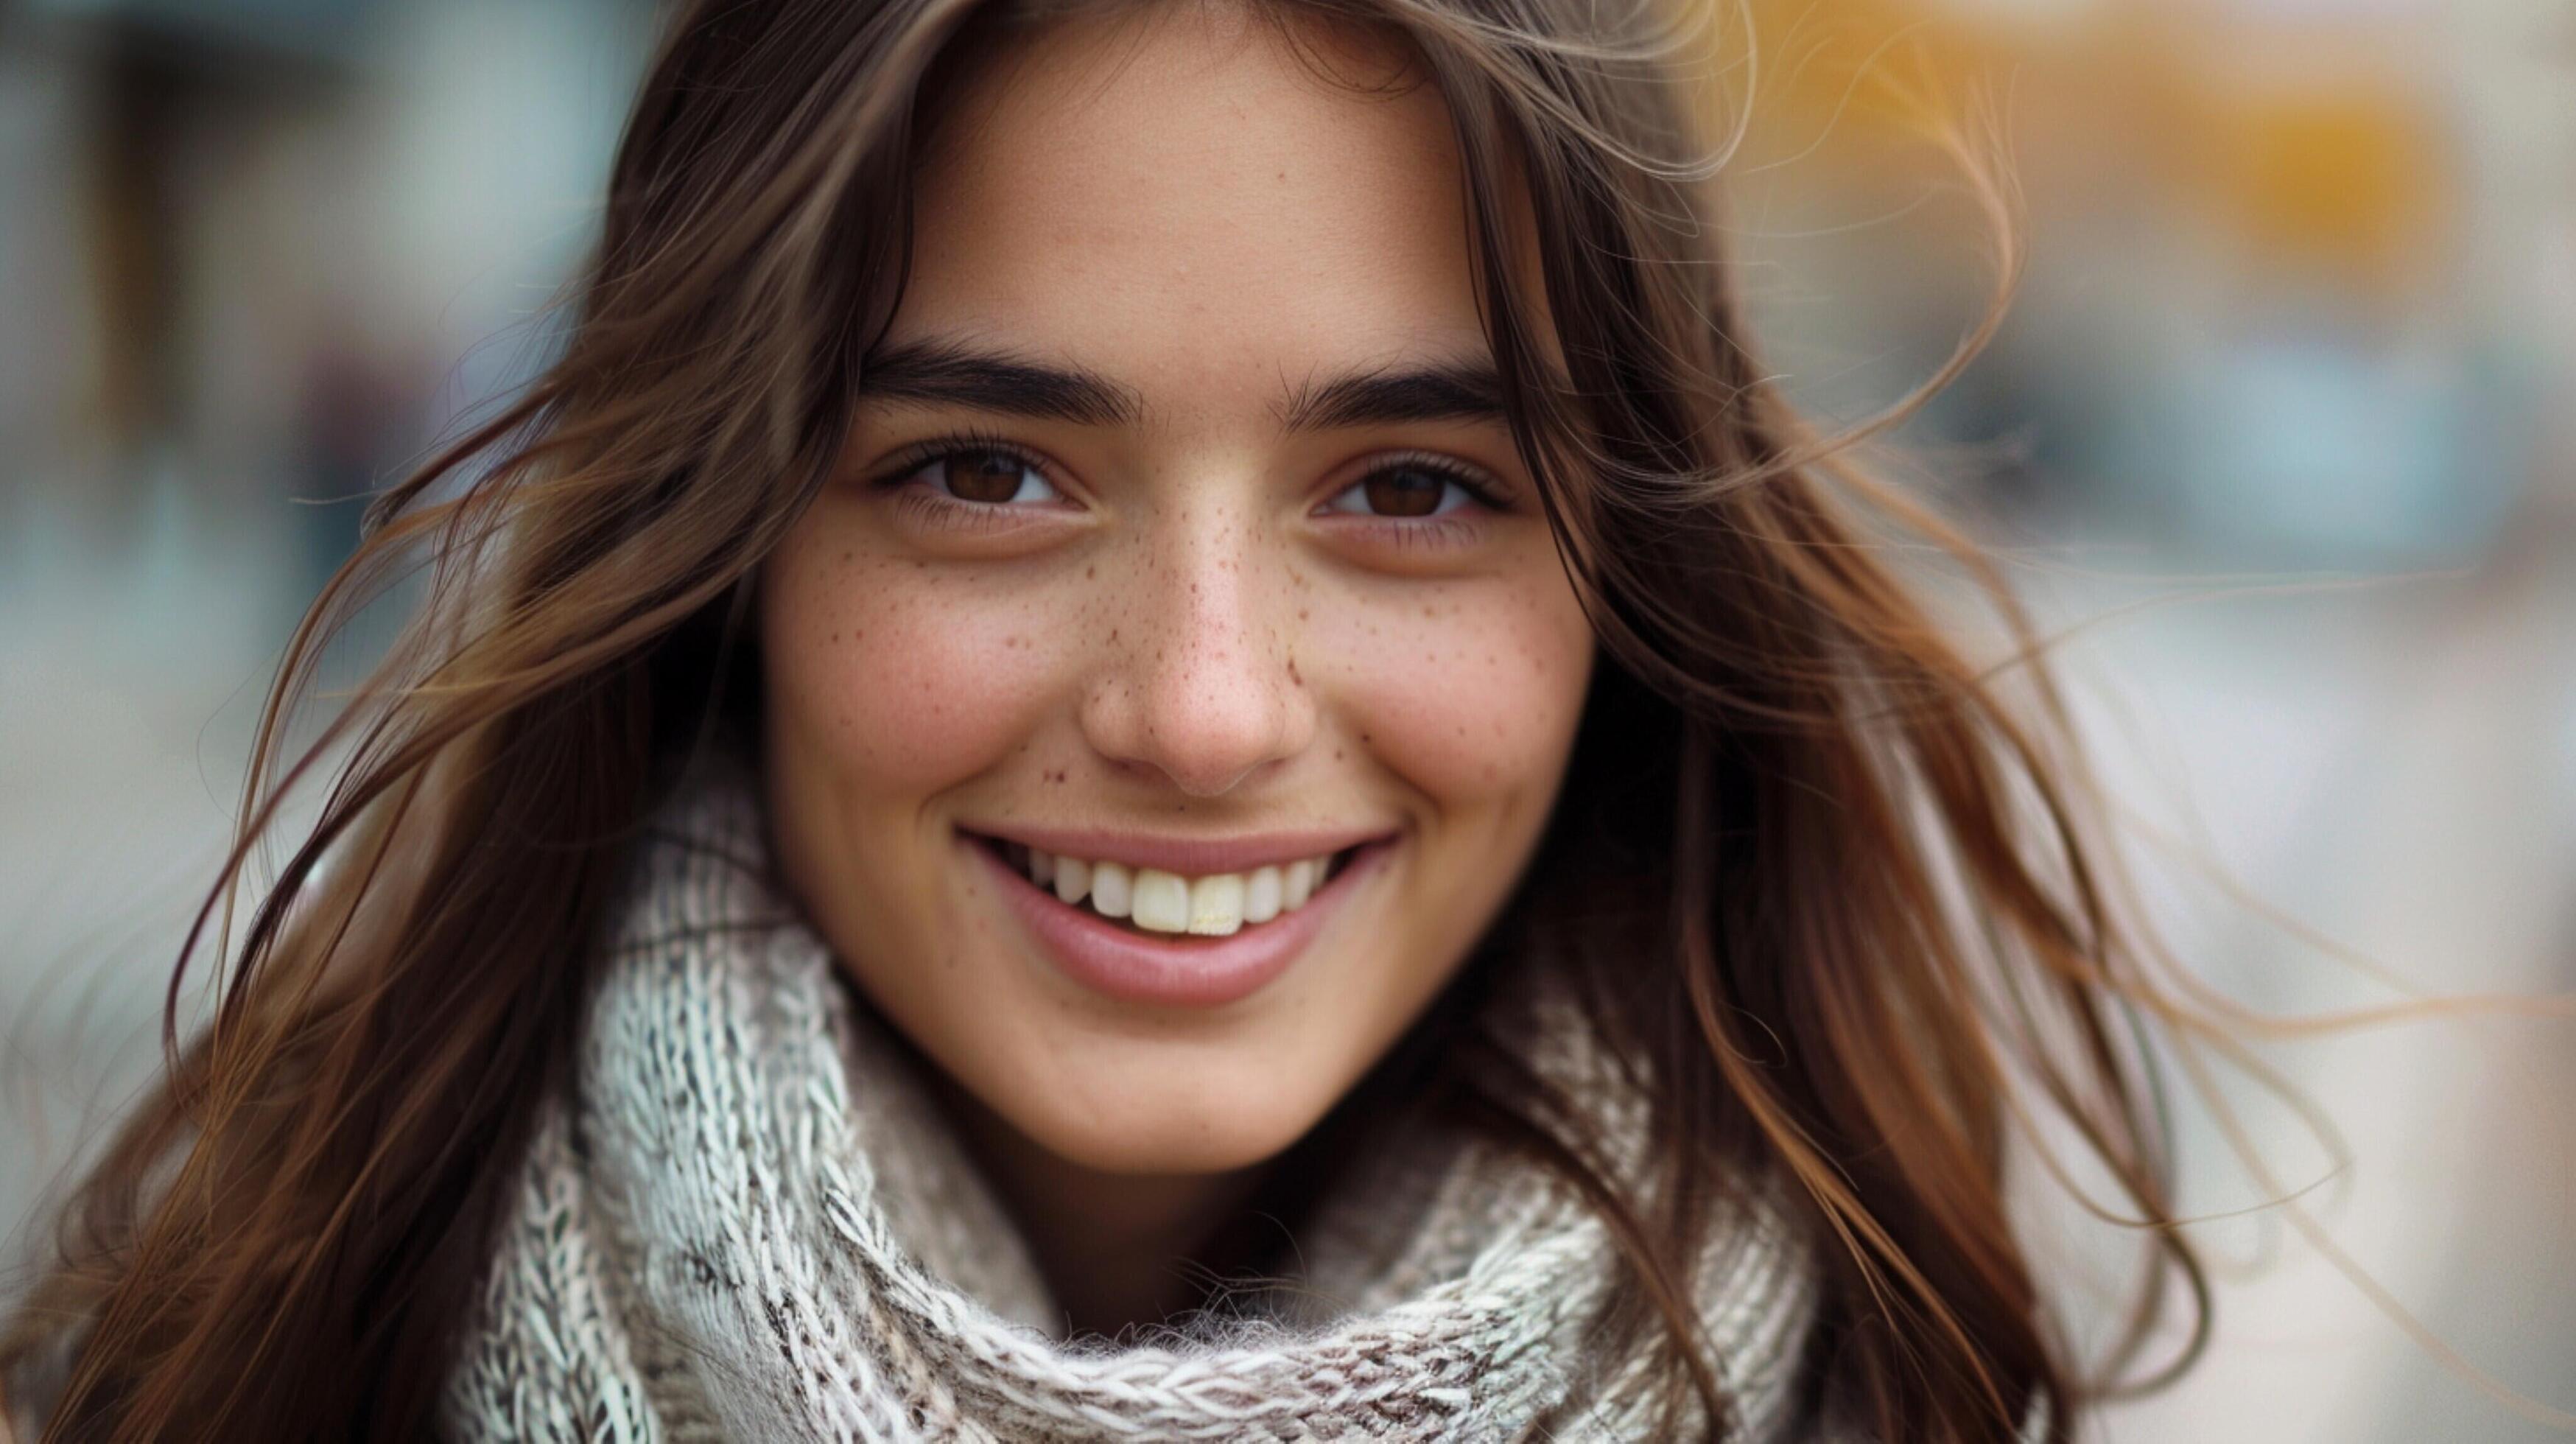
{"points": [[1187, 972], [1188, 856]]}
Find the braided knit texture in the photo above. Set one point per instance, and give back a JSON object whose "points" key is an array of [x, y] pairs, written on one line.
{"points": [[740, 1218]]}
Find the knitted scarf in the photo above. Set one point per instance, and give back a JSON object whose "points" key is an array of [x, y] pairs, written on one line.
{"points": [[742, 1217]]}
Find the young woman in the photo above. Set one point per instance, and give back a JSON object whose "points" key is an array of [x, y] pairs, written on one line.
{"points": [[1155, 735]]}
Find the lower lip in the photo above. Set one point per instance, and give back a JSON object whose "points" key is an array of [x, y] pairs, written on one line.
{"points": [[1188, 971]]}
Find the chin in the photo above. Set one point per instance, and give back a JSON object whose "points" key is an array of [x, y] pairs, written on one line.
{"points": [[1160, 1146], [1211, 1127]]}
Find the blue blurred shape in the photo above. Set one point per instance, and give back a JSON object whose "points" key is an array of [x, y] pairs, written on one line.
{"points": [[2314, 450]]}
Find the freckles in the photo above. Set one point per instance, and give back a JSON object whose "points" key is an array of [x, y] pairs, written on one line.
{"points": [[905, 677], [1460, 694]]}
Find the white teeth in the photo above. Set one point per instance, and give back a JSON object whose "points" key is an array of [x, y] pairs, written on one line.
{"points": [[1162, 901], [1112, 889], [1261, 895], [1072, 878], [1217, 905], [1297, 884]]}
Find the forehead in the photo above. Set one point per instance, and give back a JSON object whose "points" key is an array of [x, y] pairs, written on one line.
{"points": [[1176, 199]]}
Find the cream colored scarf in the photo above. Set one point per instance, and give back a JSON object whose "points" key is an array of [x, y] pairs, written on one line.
{"points": [[742, 1219]]}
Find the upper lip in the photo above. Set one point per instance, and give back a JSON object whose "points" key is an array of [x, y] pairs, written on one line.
{"points": [[1188, 856]]}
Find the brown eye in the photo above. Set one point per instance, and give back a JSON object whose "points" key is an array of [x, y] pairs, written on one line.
{"points": [[993, 477], [1406, 489]]}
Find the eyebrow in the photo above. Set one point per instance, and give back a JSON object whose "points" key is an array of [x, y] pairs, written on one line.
{"points": [[1468, 390], [950, 372]]}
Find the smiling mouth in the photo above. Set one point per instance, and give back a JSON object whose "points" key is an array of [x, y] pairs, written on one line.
{"points": [[1152, 903]]}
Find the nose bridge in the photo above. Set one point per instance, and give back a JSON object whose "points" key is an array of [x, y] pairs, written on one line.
{"points": [[1201, 685]]}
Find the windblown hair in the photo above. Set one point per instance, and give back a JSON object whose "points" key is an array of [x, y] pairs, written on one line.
{"points": [[1827, 888]]}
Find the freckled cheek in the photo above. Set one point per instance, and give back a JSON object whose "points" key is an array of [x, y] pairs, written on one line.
{"points": [[1476, 703], [904, 681]]}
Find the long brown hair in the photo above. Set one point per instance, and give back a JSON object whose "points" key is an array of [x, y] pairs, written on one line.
{"points": [[1822, 881]]}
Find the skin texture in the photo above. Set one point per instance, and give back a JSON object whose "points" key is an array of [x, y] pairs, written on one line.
{"points": [[1184, 630]]}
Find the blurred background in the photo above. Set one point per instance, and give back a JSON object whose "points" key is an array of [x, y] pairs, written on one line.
{"points": [[2279, 438]]}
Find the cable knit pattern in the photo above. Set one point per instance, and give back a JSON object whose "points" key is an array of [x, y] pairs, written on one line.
{"points": [[740, 1219]]}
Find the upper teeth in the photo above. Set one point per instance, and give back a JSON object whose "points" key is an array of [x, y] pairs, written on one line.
{"points": [[1166, 902]]}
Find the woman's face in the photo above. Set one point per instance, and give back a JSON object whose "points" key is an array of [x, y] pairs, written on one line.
{"points": [[1181, 541]]}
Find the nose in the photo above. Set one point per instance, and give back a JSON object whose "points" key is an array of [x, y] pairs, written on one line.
{"points": [[1199, 685]]}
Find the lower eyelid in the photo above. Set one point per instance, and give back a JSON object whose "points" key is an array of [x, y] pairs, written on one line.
{"points": [[933, 509], [1457, 528]]}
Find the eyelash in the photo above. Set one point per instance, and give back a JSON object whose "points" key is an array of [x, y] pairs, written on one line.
{"points": [[949, 511], [1441, 529], [1405, 532]]}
